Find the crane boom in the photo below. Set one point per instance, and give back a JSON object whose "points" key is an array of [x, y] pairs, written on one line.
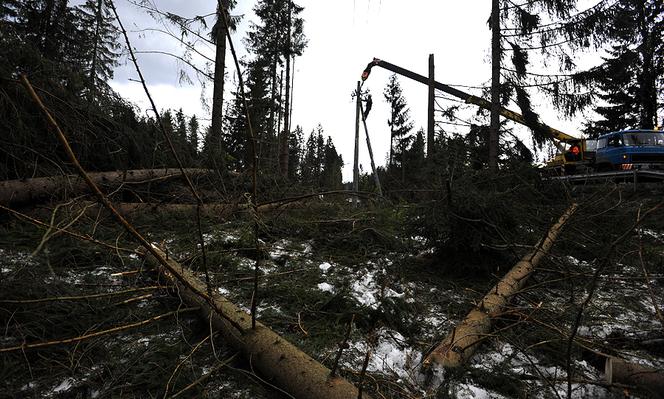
{"points": [[468, 98]]}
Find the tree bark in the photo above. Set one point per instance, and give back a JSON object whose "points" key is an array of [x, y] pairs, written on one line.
{"points": [[432, 99], [95, 49], [267, 352], [283, 141], [646, 378], [208, 210], [219, 70], [495, 86], [462, 342], [14, 192]]}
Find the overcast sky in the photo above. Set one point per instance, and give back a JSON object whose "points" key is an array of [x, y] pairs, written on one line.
{"points": [[343, 35]]}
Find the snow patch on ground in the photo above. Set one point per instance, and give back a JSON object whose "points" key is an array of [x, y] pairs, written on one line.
{"points": [[366, 291], [274, 308], [391, 356], [326, 287], [13, 261], [325, 266], [221, 236], [64, 385], [307, 248], [279, 249], [576, 262], [28, 386], [268, 267], [652, 233], [468, 391]]}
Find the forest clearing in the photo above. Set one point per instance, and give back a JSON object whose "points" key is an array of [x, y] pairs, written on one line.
{"points": [[146, 252]]}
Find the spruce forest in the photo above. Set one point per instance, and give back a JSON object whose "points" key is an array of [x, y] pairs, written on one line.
{"points": [[432, 235]]}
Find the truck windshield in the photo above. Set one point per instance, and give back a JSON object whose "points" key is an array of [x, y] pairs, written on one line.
{"points": [[644, 138]]}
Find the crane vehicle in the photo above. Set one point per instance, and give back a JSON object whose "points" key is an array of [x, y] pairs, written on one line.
{"points": [[630, 150], [575, 154]]}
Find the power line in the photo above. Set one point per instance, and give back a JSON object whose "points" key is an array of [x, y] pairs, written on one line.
{"points": [[538, 47]]}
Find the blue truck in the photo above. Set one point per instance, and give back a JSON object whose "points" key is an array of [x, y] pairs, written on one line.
{"points": [[630, 150]]}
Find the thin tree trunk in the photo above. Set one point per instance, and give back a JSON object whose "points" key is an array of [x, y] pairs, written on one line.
{"points": [[219, 70], [95, 49], [281, 96], [283, 142], [495, 86], [647, 79], [292, 89], [273, 96], [431, 119]]}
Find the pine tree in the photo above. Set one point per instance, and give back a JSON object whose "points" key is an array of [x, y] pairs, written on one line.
{"points": [[311, 166], [399, 121], [629, 77], [180, 127], [295, 149], [99, 44], [552, 28], [274, 39], [193, 136], [236, 138], [331, 177], [180, 137], [167, 121], [415, 154]]}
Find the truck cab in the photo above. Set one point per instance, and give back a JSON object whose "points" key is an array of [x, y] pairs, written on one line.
{"points": [[630, 149]]}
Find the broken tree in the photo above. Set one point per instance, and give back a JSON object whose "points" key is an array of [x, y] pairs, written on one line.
{"points": [[30, 190], [266, 351], [462, 342]]}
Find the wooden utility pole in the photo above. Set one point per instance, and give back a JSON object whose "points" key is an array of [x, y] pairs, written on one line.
{"points": [[432, 97], [373, 164], [356, 170], [495, 86]]}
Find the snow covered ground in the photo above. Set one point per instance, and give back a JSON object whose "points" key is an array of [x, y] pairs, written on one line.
{"points": [[413, 316]]}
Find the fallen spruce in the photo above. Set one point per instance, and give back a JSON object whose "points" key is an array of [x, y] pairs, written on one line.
{"points": [[276, 359], [35, 189], [462, 342]]}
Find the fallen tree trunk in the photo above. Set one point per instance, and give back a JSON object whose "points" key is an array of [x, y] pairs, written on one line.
{"points": [[14, 192], [273, 356], [647, 378], [216, 210], [206, 209], [266, 351], [462, 342]]}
